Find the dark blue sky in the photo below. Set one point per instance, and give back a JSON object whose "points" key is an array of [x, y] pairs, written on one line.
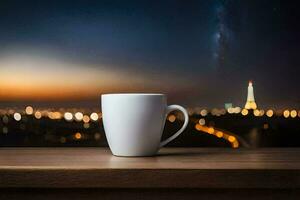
{"points": [[201, 53]]}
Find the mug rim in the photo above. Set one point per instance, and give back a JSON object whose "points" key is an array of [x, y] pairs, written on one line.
{"points": [[133, 94]]}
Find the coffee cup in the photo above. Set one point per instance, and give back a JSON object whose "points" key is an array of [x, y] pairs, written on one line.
{"points": [[134, 122]]}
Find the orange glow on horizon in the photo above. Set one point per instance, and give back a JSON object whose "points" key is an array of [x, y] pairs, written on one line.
{"points": [[27, 75], [46, 93], [32, 77]]}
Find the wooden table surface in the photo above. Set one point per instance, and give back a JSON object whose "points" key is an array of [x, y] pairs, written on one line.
{"points": [[171, 168]]}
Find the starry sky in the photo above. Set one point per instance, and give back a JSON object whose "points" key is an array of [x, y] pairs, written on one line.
{"points": [[200, 53]]}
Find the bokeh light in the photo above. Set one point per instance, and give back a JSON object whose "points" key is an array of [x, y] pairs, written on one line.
{"points": [[97, 136], [5, 119], [293, 113], [38, 115], [270, 113], [29, 110], [261, 112], [286, 113], [203, 112], [78, 136], [86, 125], [78, 116], [198, 127], [171, 118], [231, 138], [54, 115], [68, 116], [94, 116], [202, 121], [211, 130], [230, 110], [219, 134], [256, 113], [235, 144], [86, 119], [245, 112], [17, 116], [4, 130], [237, 110]]}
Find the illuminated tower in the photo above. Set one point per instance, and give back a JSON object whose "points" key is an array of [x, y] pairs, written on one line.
{"points": [[250, 104]]}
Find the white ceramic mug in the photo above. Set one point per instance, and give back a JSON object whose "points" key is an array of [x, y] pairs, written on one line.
{"points": [[134, 123]]}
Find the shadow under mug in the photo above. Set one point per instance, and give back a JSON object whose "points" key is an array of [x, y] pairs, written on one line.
{"points": [[134, 123]]}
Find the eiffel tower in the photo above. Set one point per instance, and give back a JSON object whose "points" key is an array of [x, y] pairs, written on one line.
{"points": [[250, 104]]}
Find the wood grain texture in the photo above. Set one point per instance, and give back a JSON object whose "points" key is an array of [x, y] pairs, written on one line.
{"points": [[149, 194], [172, 168]]}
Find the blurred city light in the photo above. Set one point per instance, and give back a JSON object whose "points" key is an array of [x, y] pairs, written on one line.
{"points": [[245, 112], [86, 119], [203, 112], [94, 116], [17, 116], [231, 138], [256, 113], [208, 122], [219, 134], [5, 119], [68, 116], [286, 113], [198, 127], [97, 136], [54, 115], [38, 115], [265, 126], [230, 110], [293, 113], [29, 110], [235, 144], [171, 118], [211, 130], [78, 136], [4, 130], [261, 112], [78, 116], [86, 125], [202, 121], [269, 113], [237, 110]]}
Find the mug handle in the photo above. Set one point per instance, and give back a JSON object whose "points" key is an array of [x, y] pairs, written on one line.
{"points": [[186, 121]]}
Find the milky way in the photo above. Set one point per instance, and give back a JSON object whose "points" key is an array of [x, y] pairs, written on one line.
{"points": [[226, 23]]}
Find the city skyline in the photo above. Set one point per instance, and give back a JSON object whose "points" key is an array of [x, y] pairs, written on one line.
{"points": [[200, 53]]}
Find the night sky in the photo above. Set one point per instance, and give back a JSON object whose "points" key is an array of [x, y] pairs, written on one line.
{"points": [[200, 53]]}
